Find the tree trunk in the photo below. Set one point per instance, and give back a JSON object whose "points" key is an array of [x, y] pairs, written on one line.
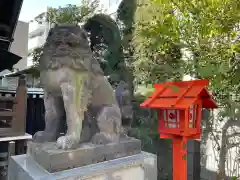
{"points": [[222, 156]]}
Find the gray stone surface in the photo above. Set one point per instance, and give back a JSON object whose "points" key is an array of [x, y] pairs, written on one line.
{"points": [[53, 159], [150, 166], [137, 167]]}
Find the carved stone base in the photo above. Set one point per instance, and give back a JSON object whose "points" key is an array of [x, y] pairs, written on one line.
{"points": [[53, 159]]}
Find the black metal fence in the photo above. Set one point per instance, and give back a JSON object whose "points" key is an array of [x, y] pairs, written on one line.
{"points": [[35, 115]]}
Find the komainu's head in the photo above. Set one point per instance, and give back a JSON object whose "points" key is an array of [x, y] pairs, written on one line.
{"points": [[68, 45], [66, 39]]}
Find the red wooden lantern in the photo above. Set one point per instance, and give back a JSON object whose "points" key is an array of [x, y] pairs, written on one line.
{"points": [[179, 106]]}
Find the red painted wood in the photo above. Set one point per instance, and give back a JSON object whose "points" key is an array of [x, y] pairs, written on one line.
{"points": [[179, 158]]}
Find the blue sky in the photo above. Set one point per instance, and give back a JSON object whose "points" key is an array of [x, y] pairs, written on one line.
{"points": [[32, 8]]}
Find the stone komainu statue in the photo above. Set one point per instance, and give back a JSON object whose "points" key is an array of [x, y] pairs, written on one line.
{"points": [[77, 92]]}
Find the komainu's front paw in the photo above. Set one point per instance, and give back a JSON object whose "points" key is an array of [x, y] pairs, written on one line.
{"points": [[68, 142], [41, 137]]}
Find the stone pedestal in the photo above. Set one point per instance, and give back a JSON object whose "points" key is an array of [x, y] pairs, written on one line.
{"points": [[142, 166], [53, 159]]}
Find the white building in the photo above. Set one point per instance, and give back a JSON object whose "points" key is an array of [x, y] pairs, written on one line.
{"points": [[36, 38], [20, 44]]}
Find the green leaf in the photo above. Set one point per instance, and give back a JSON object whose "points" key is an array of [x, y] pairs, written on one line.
{"points": [[224, 67], [205, 71]]}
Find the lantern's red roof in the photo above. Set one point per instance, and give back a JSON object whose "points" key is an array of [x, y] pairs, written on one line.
{"points": [[179, 95]]}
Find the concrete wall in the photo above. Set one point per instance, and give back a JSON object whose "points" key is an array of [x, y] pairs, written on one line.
{"points": [[20, 44]]}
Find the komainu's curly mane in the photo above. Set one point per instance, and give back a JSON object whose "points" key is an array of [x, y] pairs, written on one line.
{"points": [[68, 46]]}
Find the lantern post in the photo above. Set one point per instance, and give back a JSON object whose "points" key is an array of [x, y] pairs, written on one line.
{"points": [[179, 106]]}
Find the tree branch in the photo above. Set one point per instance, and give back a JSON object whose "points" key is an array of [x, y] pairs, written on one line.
{"points": [[216, 140]]}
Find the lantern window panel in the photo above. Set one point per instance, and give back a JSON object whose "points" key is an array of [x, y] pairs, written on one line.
{"points": [[192, 116], [171, 118]]}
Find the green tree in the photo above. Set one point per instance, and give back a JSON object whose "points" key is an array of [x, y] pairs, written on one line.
{"points": [[157, 51], [144, 125], [205, 36], [125, 18], [70, 14], [106, 44]]}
